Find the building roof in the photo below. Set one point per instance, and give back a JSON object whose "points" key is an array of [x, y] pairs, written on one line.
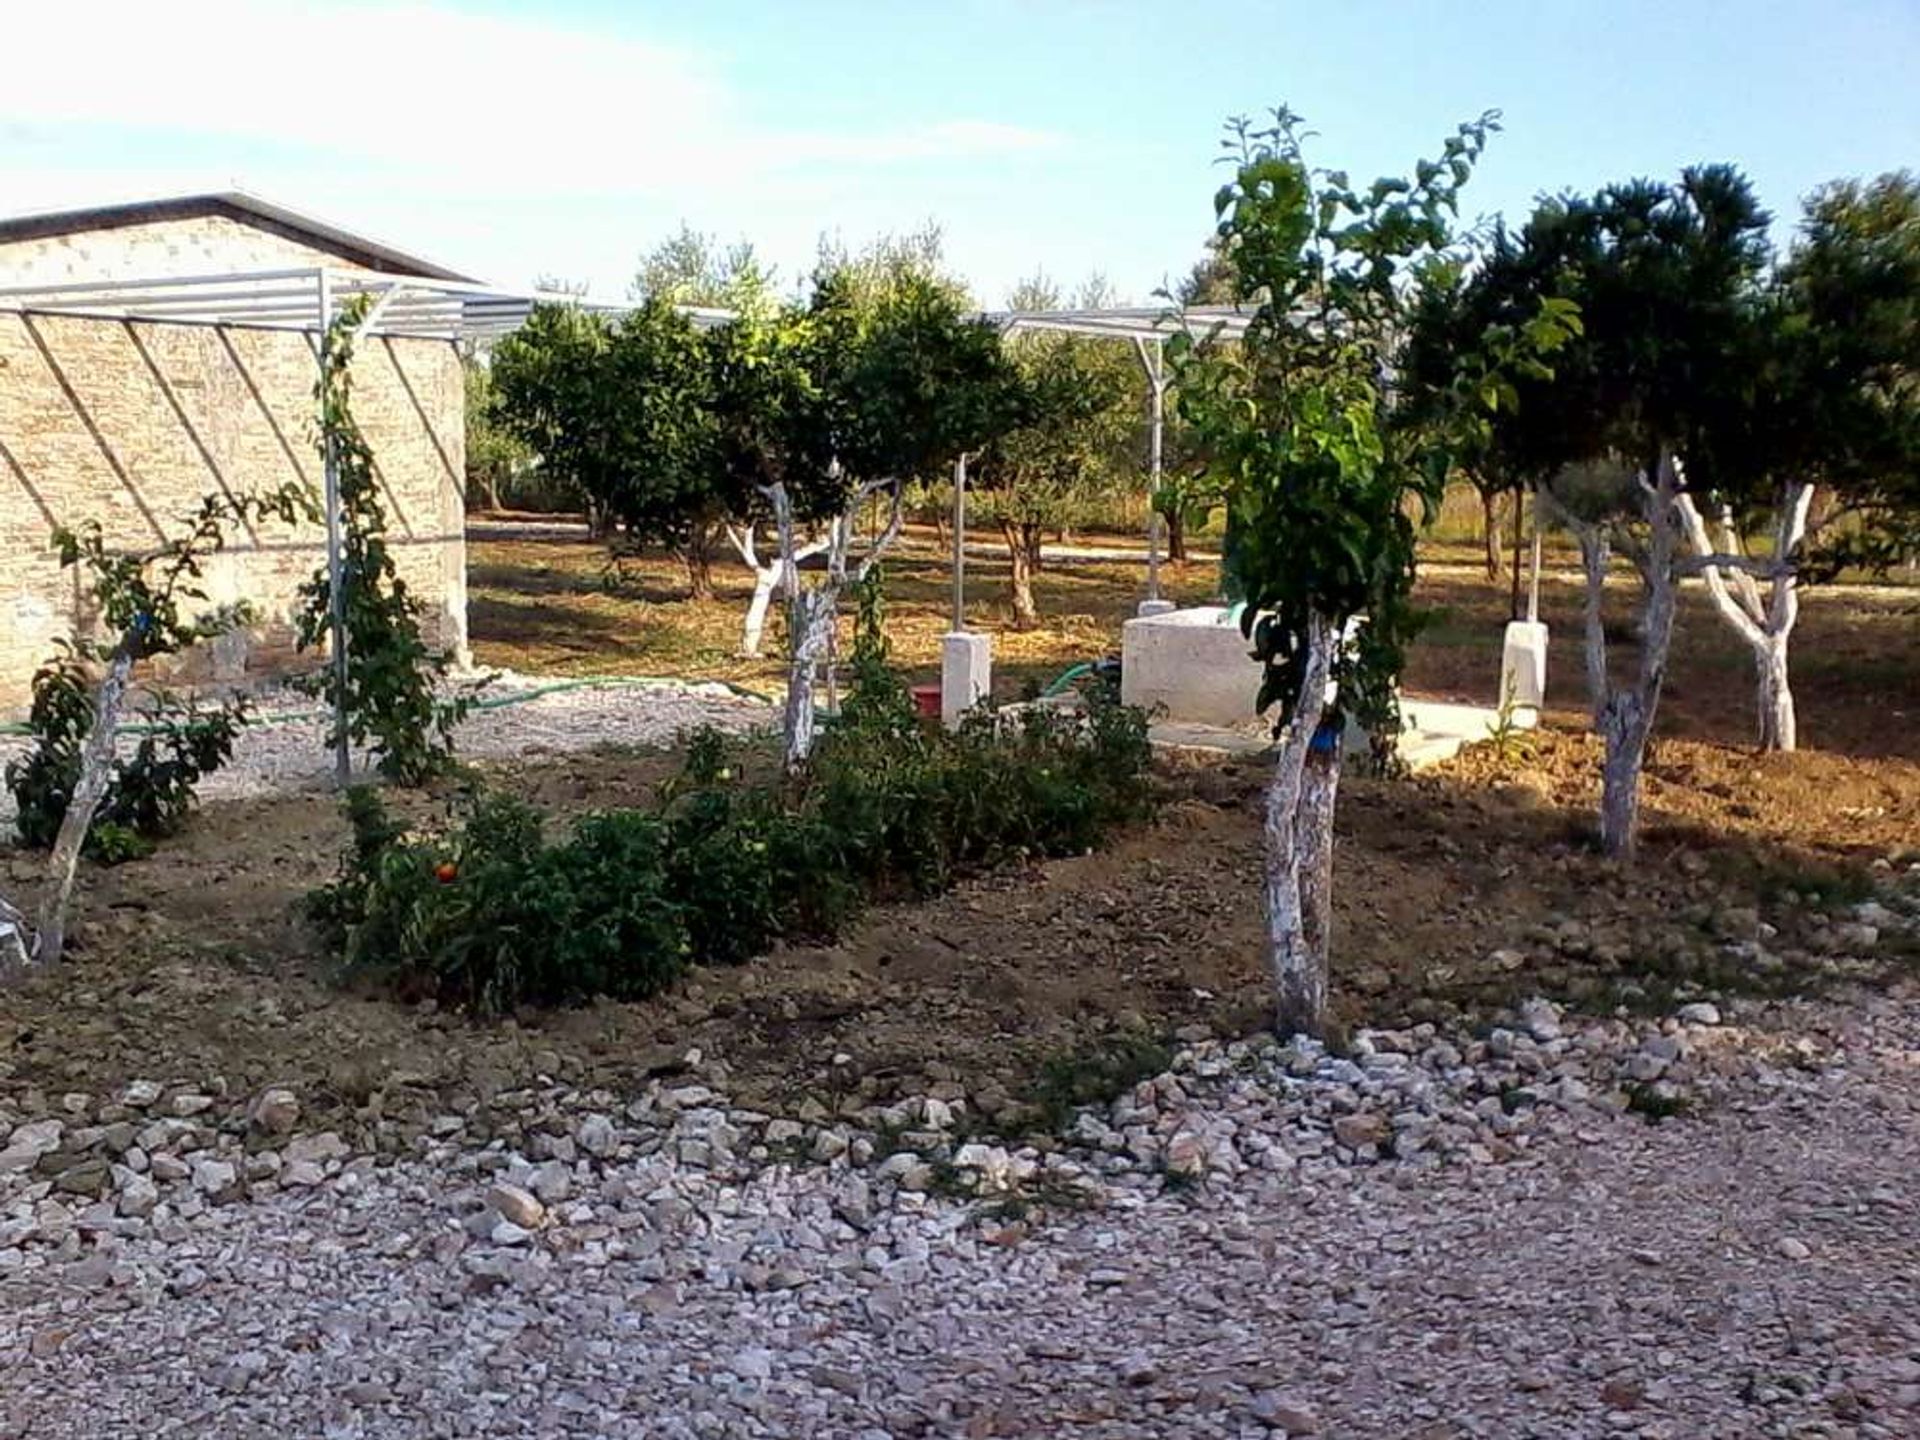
{"points": [[234, 205]]}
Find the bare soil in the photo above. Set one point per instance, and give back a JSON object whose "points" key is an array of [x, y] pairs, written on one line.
{"points": [[1456, 892]]}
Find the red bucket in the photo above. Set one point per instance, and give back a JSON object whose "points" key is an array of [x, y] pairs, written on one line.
{"points": [[926, 701]]}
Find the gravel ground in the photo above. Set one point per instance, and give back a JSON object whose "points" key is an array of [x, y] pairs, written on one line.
{"points": [[1281, 1243], [289, 755]]}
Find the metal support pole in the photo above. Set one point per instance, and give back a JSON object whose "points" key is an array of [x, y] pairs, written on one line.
{"points": [[1519, 517], [960, 545], [1153, 487], [336, 557], [1156, 395], [1533, 579]]}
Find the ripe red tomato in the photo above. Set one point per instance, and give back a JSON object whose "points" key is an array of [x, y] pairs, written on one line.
{"points": [[446, 872]]}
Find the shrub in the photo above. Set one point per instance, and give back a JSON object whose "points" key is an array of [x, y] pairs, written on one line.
{"points": [[151, 791], [492, 915]]}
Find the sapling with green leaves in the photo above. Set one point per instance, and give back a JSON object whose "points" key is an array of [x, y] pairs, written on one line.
{"points": [[1324, 464], [385, 696], [150, 604]]}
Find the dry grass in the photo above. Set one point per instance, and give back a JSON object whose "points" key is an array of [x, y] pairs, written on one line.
{"points": [[551, 607]]}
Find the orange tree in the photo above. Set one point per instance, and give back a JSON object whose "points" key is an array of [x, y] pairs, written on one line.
{"points": [[1323, 463]]}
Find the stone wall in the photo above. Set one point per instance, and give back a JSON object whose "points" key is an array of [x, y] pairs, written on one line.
{"points": [[194, 245], [131, 423]]}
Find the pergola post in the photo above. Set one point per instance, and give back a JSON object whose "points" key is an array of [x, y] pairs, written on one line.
{"points": [[960, 545], [336, 557], [1153, 363]]}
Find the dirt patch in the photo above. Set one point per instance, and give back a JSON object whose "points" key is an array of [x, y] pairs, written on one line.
{"points": [[1456, 891]]}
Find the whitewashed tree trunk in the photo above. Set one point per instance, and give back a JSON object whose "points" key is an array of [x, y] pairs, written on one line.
{"points": [[1299, 968], [811, 621], [1595, 554], [1765, 625], [17, 942], [767, 580], [96, 770], [1626, 720], [813, 610], [1319, 789]]}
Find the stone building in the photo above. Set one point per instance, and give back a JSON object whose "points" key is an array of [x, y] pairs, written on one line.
{"points": [[119, 417]]}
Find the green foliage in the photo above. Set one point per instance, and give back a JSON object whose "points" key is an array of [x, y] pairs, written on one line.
{"points": [[1838, 401], [150, 792], [147, 602], [690, 267], [388, 698], [547, 394], [502, 472], [917, 808], [1664, 278], [671, 430], [491, 914], [908, 380], [1324, 467]]}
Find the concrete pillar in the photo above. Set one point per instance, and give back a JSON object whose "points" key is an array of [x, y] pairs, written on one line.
{"points": [[966, 673], [1523, 667]]}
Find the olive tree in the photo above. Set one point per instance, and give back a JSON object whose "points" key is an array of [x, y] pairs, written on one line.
{"points": [[1324, 464], [1070, 449]]}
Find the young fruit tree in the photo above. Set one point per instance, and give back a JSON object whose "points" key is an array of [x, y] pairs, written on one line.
{"points": [[770, 433], [1324, 465], [1667, 279], [1824, 409], [149, 605], [384, 692], [902, 384]]}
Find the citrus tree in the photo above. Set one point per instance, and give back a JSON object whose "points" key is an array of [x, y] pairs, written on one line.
{"points": [[1659, 401], [1324, 465], [1814, 439], [901, 382], [623, 410]]}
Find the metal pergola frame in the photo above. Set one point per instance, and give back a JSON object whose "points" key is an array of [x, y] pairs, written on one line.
{"points": [[306, 301], [1148, 328]]}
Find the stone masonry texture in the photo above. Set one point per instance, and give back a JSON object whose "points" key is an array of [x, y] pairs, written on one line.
{"points": [[131, 423]]}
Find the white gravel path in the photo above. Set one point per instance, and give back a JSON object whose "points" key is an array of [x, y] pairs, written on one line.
{"points": [[292, 754], [1752, 1269]]}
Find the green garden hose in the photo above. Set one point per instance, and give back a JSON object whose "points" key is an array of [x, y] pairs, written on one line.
{"points": [[1066, 678]]}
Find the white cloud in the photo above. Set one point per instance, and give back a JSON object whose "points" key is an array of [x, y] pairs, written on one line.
{"points": [[509, 146], [445, 99]]}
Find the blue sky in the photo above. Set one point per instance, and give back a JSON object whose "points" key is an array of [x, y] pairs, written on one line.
{"points": [[1068, 136]]}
